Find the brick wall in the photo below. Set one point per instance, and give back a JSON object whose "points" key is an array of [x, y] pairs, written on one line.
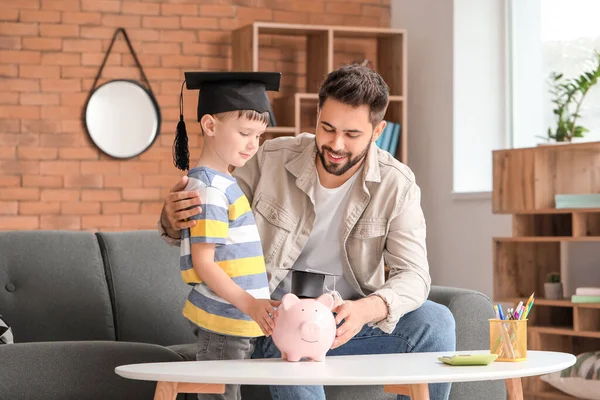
{"points": [[51, 175]]}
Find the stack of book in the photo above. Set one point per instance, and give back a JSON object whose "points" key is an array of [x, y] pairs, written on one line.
{"points": [[390, 137], [586, 295], [577, 200]]}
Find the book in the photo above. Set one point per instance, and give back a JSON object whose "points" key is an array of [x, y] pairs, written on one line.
{"points": [[588, 291], [395, 139], [380, 140], [389, 132], [585, 299]]}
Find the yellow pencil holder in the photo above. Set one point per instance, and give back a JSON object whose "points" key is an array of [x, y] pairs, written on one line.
{"points": [[508, 339]]}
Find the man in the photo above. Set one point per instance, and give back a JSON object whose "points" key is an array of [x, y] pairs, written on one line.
{"points": [[335, 202]]}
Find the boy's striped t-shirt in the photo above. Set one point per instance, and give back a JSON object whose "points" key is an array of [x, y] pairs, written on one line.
{"points": [[226, 220]]}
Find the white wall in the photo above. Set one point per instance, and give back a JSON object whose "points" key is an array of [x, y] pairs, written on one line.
{"points": [[459, 231]]}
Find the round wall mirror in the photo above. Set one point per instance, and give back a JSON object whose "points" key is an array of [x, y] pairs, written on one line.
{"points": [[122, 118]]}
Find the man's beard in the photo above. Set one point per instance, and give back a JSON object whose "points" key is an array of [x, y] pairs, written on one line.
{"points": [[336, 169]]}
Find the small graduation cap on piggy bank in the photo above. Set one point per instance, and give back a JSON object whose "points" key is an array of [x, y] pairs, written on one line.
{"points": [[305, 326]]}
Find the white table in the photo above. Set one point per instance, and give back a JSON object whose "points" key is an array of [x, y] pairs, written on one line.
{"points": [[406, 374]]}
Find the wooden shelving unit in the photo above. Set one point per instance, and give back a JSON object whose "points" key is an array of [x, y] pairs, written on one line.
{"points": [[525, 183], [296, 111]]}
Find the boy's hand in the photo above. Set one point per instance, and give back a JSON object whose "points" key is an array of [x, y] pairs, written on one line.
{"points": [[262, 312]]}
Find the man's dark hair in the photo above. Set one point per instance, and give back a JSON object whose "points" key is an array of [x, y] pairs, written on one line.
{"points": [[357, 85]]}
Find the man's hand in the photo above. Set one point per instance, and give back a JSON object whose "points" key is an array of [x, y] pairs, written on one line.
{"points": [[179, 205], [262, 311], [355, 315]]}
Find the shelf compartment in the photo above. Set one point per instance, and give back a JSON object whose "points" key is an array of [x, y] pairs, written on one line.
{"points": [[542, 225], [587, 320], [520, 268], [586, 224]]}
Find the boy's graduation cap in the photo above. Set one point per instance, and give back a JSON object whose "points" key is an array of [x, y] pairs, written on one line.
{"points": [[310, 283], [223, 92]]}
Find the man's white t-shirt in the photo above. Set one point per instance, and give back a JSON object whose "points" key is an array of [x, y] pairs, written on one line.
{"points": [[324, 249]]}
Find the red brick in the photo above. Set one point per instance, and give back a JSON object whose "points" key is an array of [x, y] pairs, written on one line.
{"points": [[59, 30], [291, 17], [60, 195], [75, 153], [138, 8], [217, 10], [81, 45], [8, 153], [61, 59], [148, 35], [19, 223], [9, 207], [61, 85], [139, 221], [254, 14], [39, 71], [214, 37], [19, 193], [95, 59], [342, 8], [60, 222], [121, 73], [190, 22], [181, 61], [154, 207], [38, 208], [59, 167], [10, 43], [13, 139], [100, 167], [80, 208], [84, 181], [40, 16], [42, 181], [79, 72], [215, 64], [9, 71], [230, 24], [19, 85], [21, 4], [125, 21], [82, 18], [39, 99], [18, 29], [157, 153], [140, 194], [10, 98], [59, 113], [9, 181], [101, 5], [37, 153], [38, 43], [179, 9], [161, 48], [73, 100], [8, 15], [61, 5], [178, 36], [160, 22], [40, 126], [139, 167], [121, 207], [100, 221], [20, 112], [100, 195], [123, 181], [72, 126], [19, 57], [61, 140]]}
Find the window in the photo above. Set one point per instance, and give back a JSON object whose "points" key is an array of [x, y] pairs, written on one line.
{"points": [[549, 36]]}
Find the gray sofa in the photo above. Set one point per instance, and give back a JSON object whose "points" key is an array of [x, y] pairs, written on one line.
{"points": [[81, 304]]}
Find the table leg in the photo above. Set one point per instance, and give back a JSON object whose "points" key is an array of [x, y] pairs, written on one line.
{"points": [[514, 389], [169, 390], [416, 392]]}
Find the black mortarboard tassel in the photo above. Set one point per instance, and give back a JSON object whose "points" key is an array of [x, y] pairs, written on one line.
{"points": [[181, 153]]}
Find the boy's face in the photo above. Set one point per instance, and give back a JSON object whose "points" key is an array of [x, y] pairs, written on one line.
{"points": [[236, 140], [343, 135]]}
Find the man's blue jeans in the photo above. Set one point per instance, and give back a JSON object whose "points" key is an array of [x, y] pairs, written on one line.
{"points": [[429, 328]]}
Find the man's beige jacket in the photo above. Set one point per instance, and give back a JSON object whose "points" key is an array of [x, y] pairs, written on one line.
{"points": [[383, 222]]}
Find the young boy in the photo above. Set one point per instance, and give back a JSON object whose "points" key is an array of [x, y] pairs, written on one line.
{"points": [[221, 255]]}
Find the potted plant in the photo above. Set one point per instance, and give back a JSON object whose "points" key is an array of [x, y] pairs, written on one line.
{"points": [[553, 286], [568, 95]]}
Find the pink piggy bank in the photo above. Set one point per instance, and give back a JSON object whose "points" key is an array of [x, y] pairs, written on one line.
{"points": [[304, 327]]}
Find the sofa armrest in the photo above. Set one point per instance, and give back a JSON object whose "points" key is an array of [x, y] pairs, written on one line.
{"points": [[76, 370], [471, 310]]}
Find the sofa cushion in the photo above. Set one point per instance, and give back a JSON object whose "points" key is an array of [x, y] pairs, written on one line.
{"points": [[148, 291], [53, 287]]}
